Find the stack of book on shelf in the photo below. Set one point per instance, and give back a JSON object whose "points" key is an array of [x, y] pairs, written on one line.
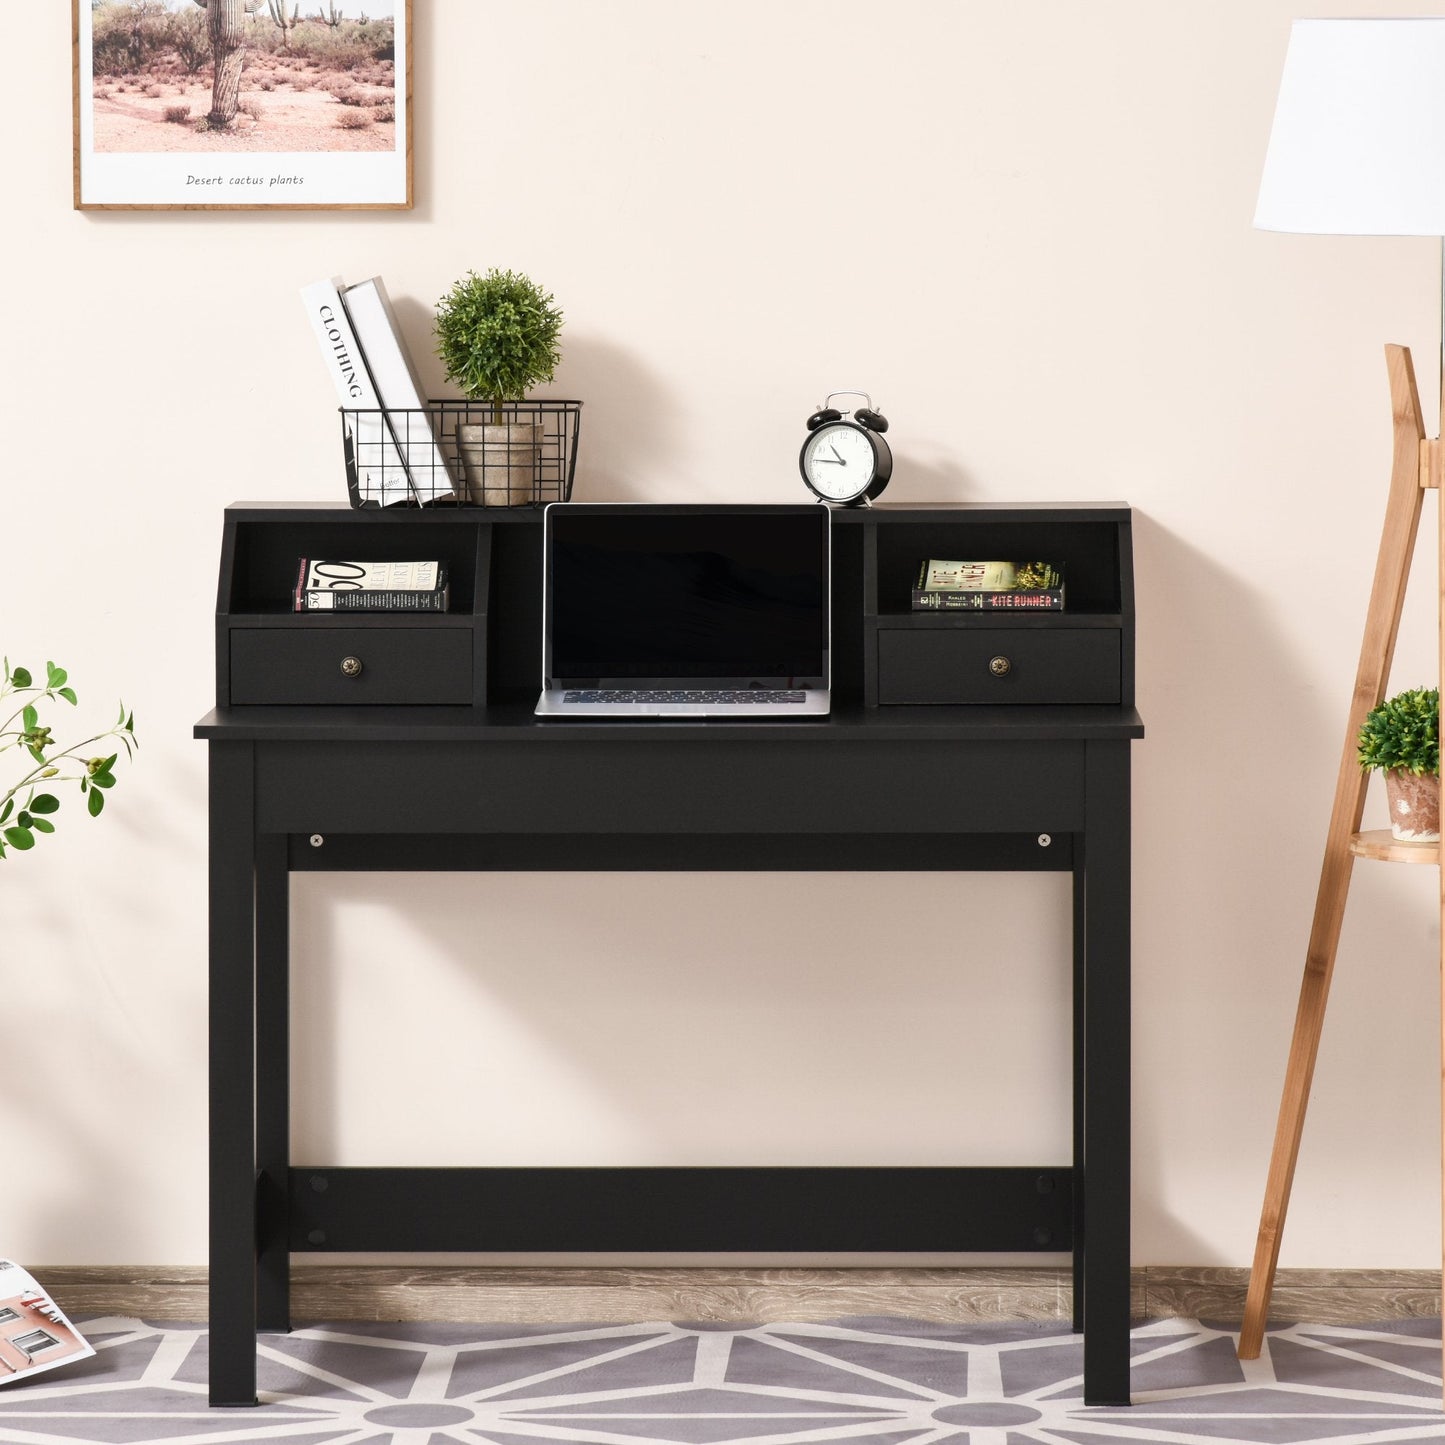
{"points": [[392, 450], [989, 587], [334, 586]]}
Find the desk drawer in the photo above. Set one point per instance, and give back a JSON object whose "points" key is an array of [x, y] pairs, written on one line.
{"points": [[397, 665], [998, 664]]}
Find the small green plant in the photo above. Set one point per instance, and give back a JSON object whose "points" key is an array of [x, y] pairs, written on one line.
{"points": [[497, 335], [51, 765], [178, 114], [1403, 733], [354, 119]]}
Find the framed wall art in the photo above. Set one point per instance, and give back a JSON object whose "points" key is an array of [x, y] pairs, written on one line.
{"points": [[233, 105]]}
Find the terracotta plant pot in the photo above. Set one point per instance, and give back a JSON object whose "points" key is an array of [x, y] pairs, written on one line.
{"points": [[501, 462], [1414, 806]]}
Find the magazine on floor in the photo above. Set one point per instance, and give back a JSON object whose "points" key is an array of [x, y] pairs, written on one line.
{"points": [[34, 1334]]}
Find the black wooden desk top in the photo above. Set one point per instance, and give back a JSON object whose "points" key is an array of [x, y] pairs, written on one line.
{"points": [[513, 721]]}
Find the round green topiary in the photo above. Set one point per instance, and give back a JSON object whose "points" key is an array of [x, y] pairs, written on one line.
{"points": [[1403, 733], [497, 335]]}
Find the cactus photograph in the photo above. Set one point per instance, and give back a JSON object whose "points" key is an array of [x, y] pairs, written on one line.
{"points": [[229, 83]]}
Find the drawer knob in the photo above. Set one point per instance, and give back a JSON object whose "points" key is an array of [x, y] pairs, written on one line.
{"points": [[1000, 666], [351, 667]]}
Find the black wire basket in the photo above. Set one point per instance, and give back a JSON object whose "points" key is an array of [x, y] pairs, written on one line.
{"points": [[461, 453]]}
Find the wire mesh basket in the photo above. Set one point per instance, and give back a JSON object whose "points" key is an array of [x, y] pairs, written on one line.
{"points": [[462, 453]]}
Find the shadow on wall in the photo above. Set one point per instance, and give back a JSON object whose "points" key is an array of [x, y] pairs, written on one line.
{"points": [[920, 481], [629, 425], [1211, 661], [1233, 789], [634, 445], [688, 1018], [92, 1035], [628, 430]]}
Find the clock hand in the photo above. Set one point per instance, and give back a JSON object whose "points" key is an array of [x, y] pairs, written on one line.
{"points": [[829, 462], [834, 450]]}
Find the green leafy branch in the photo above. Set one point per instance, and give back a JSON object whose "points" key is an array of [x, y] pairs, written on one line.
{"points": [[1403, 733], [50, 764]]}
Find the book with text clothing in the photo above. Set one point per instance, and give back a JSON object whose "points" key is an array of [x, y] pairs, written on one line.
{"points": [[399, 388], [346, 586], [988, 587], [378, 476]]}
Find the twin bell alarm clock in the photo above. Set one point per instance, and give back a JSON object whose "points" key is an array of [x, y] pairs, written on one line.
{"points": [[845, 459]]}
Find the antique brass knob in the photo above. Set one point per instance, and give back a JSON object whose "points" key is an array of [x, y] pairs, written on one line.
{"points": [[999, 666], [351, 667]]}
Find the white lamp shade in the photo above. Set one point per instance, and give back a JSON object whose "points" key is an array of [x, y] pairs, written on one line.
{"points": [[1358, 145]]}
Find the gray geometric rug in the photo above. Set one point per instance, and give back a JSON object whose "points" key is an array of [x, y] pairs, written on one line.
{"points": [[866, 1381]]}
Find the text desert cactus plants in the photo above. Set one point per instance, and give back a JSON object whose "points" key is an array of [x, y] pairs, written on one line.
{"points": [[227, 26], [28, 807]]}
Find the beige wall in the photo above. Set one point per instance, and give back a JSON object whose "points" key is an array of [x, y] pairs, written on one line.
{"points": [[1026, 229]]}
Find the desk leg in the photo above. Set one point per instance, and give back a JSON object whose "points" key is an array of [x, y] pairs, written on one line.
{"points": [[1080, 1233], [273, 1102], [1106, 1073], [232, 1075]]}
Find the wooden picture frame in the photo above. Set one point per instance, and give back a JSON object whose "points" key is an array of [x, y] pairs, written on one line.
{"points": [[314, 115]]}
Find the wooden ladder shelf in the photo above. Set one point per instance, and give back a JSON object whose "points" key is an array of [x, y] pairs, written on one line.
{"points": [[1417, 467]]}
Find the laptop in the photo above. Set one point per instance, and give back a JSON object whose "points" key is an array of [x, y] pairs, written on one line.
{"points": [[685, 611]]}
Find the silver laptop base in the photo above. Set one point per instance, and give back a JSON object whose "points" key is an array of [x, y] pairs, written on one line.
{"points": [[581, 702]]}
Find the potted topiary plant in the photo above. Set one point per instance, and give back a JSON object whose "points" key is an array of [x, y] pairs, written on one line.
{"points": [[1401, 738], [27, 805], [497, 335]]}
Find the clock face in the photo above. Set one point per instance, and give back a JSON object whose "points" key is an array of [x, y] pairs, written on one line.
{"points": [[839, 462]]}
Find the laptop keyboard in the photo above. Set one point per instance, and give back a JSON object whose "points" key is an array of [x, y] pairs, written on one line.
{"points": [[685, 695]]}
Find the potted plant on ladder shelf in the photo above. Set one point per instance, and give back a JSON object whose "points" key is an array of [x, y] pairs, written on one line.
{"points": [[497, 335], [1401, 738]]}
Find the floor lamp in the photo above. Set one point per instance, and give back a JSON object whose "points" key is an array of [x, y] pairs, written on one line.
{"points": [[1357, 148]]}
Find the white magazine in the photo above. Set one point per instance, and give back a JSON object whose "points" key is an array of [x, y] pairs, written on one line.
{"points": [[34, 1333]]}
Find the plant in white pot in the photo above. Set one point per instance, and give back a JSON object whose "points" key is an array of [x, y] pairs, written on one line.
{"points": [[27, 805], [1401, 738], [497, 335]]}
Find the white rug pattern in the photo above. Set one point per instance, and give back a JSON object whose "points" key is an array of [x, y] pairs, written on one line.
{"points": [[881, 1381]]}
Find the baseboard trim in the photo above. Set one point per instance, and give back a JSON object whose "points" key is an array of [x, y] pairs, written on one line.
{"points": [[753, 1296]]}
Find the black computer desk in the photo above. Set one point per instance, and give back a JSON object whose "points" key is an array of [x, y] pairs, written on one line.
{"points": [[328, 786]]}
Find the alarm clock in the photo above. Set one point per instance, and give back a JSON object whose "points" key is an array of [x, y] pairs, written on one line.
{"points": [[845, 459]]}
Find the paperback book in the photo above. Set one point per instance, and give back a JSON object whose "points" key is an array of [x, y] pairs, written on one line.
{"points": [[336, 586], [988, 587]]}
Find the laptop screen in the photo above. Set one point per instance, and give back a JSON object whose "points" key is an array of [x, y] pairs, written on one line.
{"points": [[647, 596]]}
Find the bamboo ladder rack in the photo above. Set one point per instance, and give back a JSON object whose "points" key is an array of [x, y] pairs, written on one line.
{"points": [[1417, 468]]}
